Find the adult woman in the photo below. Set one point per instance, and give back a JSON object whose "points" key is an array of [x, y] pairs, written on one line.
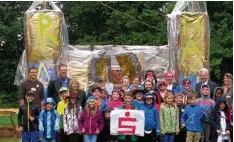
{"points": [[151, 76], [162, 90], [186, 90], [125, 84], [136, 84], [228, 89], [148, 85], [74, 87]]}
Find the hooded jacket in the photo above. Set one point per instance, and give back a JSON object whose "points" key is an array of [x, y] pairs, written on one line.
{"points": [[152, 116], [90, 123], [62, 105], [216, 116], [207, 103], [49, 122], [193, 118], [169, 118]]}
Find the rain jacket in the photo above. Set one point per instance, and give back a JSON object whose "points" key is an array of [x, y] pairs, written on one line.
{"points": [[151, 117], [61, 106], [193, 118], [49, 124], [169, 118], [90, 123], [70, 120]]}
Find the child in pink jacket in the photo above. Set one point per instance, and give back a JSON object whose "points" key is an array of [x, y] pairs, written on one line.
{"points": [[91, 121]]}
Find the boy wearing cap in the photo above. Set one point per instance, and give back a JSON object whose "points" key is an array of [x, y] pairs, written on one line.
{"points": [[49, 121], [64, 93], [152, 126], [100, 103], [208, 104], [138, 93], [28, 119]]}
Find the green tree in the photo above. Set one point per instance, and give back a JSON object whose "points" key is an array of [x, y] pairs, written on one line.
{"points": [[221, 43], [103, 23]]}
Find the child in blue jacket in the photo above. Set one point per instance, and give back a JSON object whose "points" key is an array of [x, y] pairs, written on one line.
{"points": [[193, 119], [49, 121], [152, 125]]}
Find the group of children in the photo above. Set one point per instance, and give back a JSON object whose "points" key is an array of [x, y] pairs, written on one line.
{"points": [[173, 121]]}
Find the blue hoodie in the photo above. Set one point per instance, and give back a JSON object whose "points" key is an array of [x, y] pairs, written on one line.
{"points": [[151, 117], [193, 118]]}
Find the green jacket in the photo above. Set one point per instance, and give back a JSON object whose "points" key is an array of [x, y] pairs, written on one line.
{"points": [[169, 119], [122, 137]]}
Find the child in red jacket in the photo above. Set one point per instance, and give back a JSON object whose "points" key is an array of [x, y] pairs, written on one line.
{"points": [[91, 121]]}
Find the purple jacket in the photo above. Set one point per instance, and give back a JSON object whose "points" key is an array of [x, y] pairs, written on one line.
{"points": [[91, 124]]}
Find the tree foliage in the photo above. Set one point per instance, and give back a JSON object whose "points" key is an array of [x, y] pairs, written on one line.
{"points": [[123, 23]]}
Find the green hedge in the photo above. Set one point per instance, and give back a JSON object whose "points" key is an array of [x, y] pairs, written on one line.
{"points": [[8, 100]]}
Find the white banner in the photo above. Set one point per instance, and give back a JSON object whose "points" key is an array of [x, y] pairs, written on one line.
{"points": [[127, 122]]}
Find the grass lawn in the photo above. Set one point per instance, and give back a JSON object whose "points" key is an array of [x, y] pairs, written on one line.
{"points": [[5, 121], [9, 139]]}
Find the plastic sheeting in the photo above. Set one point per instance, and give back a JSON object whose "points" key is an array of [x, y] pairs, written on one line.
{"points": [[46, 42], [188, 38], [86, 63]]}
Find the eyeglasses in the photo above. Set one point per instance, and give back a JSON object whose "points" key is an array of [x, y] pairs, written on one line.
{"points": [[163, 84], [186, 83]]}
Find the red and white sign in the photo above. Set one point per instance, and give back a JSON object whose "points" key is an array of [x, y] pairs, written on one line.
{"points": [[127, 122]]}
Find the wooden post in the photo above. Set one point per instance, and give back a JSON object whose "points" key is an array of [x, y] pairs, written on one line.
{"points": [[43, 5], [142, 62], [193, 6]]}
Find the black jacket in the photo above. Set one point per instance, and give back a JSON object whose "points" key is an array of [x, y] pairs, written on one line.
{"points": [[53, 89], [23, 120], [82, 97], [216, 117], [105, 135]]}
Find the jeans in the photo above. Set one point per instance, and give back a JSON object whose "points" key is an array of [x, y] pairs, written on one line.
{"points": [[90, 138], [206, 132], [29, 136], [169, 137]]}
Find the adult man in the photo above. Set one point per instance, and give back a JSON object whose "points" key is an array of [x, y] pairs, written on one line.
{"points": [[32, 84], [61, 81], [204, 73]]}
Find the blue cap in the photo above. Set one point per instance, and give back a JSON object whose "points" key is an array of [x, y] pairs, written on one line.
{"points": [[49, 100]]}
